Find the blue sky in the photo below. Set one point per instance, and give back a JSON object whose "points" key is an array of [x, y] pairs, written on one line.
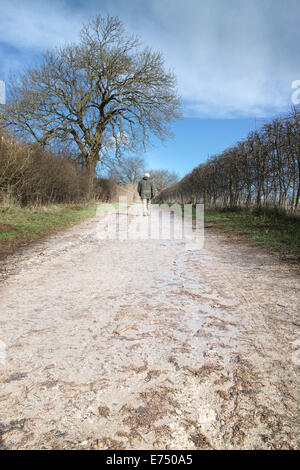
{"points": [[235, 60]]}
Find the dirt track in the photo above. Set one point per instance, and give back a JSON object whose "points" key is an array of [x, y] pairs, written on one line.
{"points": [[143, 344]]}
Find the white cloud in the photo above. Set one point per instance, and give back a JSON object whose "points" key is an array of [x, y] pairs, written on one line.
{"points": [[232, 58], [38, 25]]}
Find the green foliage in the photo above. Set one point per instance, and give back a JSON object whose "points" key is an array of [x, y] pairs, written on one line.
{"points": [[19, 225], [269, 228]]}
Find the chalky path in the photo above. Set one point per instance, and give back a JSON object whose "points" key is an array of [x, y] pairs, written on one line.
{"points": [[144, 344]]}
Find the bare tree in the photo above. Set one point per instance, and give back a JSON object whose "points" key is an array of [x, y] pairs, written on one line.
{"points": [[163, 178], [128, 170], [106, 92]]}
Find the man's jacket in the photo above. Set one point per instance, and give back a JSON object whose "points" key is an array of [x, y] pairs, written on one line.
{"points": [[146, 188]]}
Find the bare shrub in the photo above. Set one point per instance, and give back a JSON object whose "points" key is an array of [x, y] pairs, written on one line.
{"points": [[108, 190], [31, 175]]}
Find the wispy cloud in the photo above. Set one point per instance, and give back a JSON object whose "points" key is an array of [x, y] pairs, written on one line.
{"points": [[231, 58]]}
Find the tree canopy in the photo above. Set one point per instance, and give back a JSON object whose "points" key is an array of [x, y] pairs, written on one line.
{"points": [[105, 93]]}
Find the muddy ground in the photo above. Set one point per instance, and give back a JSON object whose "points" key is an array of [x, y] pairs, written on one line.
{"points": [[148, 344]]}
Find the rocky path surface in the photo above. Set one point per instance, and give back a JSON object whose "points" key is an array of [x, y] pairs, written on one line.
{"points": [[147, 344]]}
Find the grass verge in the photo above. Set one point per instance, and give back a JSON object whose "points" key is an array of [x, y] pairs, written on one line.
{"points": [[272, 230], [19, 226]]}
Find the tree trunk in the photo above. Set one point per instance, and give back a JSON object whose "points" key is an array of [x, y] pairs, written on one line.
{"points": [[91, 168], [231, 196]]}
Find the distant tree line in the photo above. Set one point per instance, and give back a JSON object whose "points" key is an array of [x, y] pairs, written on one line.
{"points": [[262, 171], [131, 169]]}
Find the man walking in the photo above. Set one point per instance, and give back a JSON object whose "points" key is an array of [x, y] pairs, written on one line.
{"points": [[146, 191]]}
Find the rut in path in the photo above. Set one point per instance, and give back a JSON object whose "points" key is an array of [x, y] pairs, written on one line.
{"points": [[144, 344]]}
